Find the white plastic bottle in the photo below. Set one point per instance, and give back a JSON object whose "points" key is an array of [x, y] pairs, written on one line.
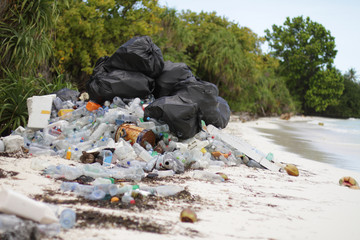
{"points": [[98, 132]]}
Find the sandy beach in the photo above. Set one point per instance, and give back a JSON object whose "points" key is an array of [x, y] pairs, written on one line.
{"points": [[252, 204]]}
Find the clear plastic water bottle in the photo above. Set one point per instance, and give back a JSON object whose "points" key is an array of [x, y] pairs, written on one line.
{"points": [[99, 132], [141, 152], [96, 194], [209, 176], [67, 218], [69, 186], [127, 198], [118, 102], [168, 190]]}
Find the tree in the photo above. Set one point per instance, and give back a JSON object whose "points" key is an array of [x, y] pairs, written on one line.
{"points": [[349, 103], [306, 51], [87, 30]]}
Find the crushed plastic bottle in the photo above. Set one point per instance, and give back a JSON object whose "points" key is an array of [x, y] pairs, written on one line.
{"points": [[208, 176]]}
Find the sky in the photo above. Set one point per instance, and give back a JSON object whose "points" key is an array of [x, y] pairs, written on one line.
{"points": [[340, 17]]}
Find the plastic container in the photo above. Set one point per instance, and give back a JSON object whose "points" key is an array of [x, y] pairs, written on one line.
{"points": [[20, 205], [67, 218], [91, 106], [130, 132]]}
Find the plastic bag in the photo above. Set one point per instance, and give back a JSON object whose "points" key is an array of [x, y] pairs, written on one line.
{"points": [[220, 115], [205, 94], [66, 94], [139, 54], [181, 114], [105, 85], [171, 74]]}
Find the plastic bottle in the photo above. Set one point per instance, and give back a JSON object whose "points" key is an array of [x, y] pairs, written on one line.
{"points": [[146, 125], [107, 157], [118, 102], [72, 173], [203, 175], [68, 153], [141, 152], [84, 190], [135, 107], [168, 190], [69, 186], [96, 194], [167, 147], [164, 173], [98, 132], [132, 173], [114, 190], [76, 154], [100, 181], [95, 170], [67, 218], [171, 162], [127, 198]]}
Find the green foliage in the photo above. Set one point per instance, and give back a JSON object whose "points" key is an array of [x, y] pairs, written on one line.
{"points": [[349, 103], [14, 92], [87, 30], [325, 89], [25, 34], [174, 38], [305, 48], [229, 56]]}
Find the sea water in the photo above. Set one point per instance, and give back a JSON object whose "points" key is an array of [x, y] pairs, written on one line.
{"points": [[336, 141]]}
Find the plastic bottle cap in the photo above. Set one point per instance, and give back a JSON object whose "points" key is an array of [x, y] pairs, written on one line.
{"points": [[132, 201]]}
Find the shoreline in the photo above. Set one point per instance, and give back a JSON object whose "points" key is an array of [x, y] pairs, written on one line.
{"points": [[311, 141], [253, 204]]}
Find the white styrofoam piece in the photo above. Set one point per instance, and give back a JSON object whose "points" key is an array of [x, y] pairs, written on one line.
{"points": [[39, 109]]}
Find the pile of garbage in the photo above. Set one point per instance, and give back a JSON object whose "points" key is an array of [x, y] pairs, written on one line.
{"points": [[140, 117]]}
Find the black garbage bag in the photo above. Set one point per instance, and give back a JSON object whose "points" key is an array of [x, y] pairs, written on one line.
{"points": [[104, 85], [205, 94], [181, 114], [139, 54], [66, 94], [219, 116], [171, 74], [124, 84]]}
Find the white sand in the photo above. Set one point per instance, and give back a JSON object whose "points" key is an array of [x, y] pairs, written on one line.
{"points": [[253, 204]]}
